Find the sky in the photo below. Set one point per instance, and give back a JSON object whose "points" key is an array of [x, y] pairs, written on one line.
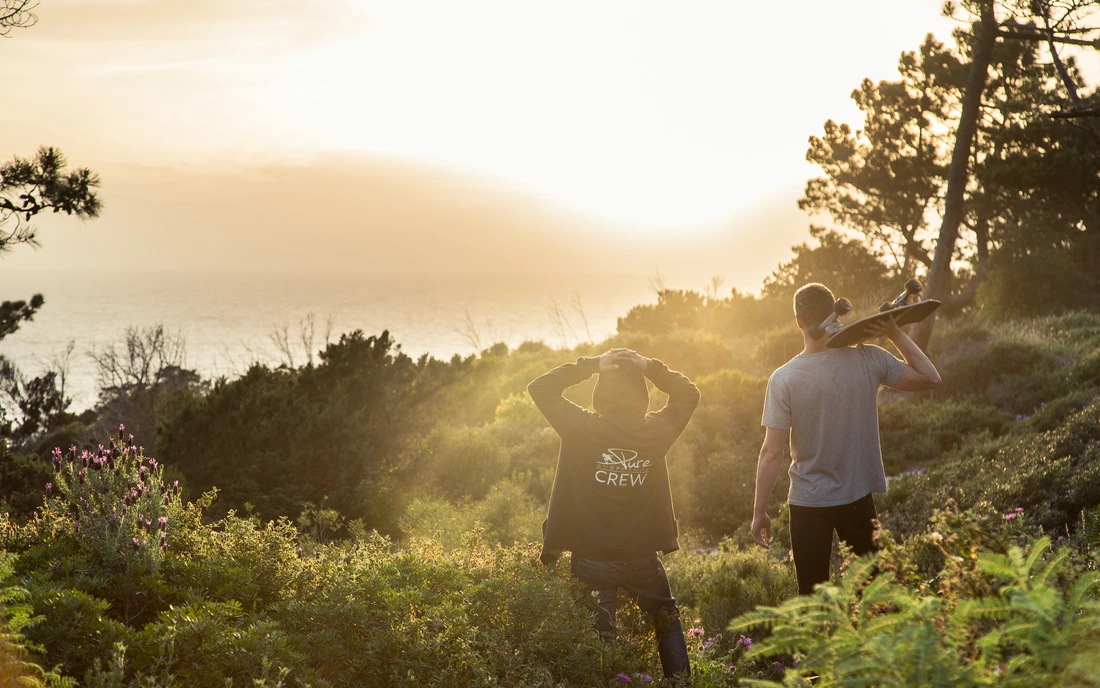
{"points": [[475, 137]]}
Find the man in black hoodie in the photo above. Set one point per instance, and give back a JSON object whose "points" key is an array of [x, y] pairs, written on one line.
{"points": [[611, 505]]}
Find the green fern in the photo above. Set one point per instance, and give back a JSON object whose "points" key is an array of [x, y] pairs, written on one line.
{"points": [[873, 631]]}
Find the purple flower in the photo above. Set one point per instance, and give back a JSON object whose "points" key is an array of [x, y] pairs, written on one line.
{"points": [[745, 642], [49, 489], [695, 632], [1009, 516], [622, 678], [1019, 509], [1061, 539], [162, 523], [121, 429], [80, 476], [646, 678], [709, 644], [137, 544]]}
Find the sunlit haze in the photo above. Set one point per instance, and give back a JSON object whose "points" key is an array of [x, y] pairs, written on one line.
{"points": [[407, 136]]}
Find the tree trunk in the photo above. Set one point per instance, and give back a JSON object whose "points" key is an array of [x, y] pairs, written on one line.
{"points": [[938, 283]]}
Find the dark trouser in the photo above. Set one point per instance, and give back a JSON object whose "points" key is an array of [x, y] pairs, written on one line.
{"points": [[812, 537], [644, 579]]}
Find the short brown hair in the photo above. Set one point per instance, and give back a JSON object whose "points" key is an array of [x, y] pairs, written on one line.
{"points": [[813, 303]]}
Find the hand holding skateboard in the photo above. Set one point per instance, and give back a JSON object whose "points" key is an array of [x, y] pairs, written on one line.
{"points": [[891, 315]]}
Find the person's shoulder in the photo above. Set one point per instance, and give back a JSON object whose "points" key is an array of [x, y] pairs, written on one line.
{"points": [[786, 371], [865, 350]]}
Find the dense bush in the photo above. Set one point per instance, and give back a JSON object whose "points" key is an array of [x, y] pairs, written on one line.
{"points": [[1000, 613], [276, 439], [1053, 475]]}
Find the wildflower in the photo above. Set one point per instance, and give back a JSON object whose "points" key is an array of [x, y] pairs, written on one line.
{"points": [[623, 678], [1019, 416], [162, 523], [80, 476], [49, 489], [112, 519], [141, 470], [175, 487], [646, 678], [1010, 515], [709, 644], [121, 429], [137, 544], [936, 537], [1019, 509], [745, 642], [1061, 539], [56, 463], [695, 632]]}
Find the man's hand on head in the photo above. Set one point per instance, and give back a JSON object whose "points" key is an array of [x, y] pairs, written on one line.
{"points": [[635, 358], [613, 358], [609, 360]]}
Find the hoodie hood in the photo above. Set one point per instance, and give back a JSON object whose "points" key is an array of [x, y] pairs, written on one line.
{"points": [[621, 392]]}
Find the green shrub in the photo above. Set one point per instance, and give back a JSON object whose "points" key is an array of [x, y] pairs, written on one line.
{"points": [[915, 432], [872, 630], [16, 653], [1053, 476]]}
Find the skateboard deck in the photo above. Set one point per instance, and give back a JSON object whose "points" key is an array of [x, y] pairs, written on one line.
{"points": [[855, 332]]}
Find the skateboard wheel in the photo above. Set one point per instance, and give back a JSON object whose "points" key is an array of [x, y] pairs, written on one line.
{"points": [[842, 306], [885, 307], [913, 286]]}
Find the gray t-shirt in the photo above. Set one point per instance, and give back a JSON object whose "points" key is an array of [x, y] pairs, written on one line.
{"points": [[828, 400]]}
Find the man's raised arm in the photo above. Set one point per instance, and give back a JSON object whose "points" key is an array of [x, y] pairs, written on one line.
{"points": [[546, 391], [683, 395]]}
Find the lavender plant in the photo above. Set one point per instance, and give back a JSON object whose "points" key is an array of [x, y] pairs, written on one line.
{"points": [[117, 501]]}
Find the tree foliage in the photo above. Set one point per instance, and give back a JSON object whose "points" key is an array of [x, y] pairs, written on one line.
{"points": [[29, 186], [1027, 193], [278, 438]]}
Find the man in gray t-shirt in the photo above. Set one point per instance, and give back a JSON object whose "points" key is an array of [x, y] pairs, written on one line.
{"points": [[824, 402]]}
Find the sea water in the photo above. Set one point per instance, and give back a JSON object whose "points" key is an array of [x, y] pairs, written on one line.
{"points": [[227, 320]]}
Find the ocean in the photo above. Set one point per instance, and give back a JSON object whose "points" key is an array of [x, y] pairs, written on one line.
{"points": [[228, 320]]}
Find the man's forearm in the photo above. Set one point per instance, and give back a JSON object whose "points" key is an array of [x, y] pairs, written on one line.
{"points": [[767, 472], [914, 356]]}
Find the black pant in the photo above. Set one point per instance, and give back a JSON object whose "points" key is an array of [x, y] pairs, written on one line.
{"points": [[812, 537], [644, 579]]}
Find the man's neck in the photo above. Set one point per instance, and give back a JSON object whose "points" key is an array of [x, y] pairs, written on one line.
{"points": [[813, 346]]}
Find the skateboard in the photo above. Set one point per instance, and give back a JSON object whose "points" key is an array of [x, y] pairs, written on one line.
{"points": [[902, 311]]}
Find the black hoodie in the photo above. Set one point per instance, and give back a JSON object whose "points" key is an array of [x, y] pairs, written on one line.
{"points": [[611, 499]]}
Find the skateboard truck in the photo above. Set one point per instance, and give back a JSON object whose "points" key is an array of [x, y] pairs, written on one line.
{"points": [[832, 324], [913, 286]]}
